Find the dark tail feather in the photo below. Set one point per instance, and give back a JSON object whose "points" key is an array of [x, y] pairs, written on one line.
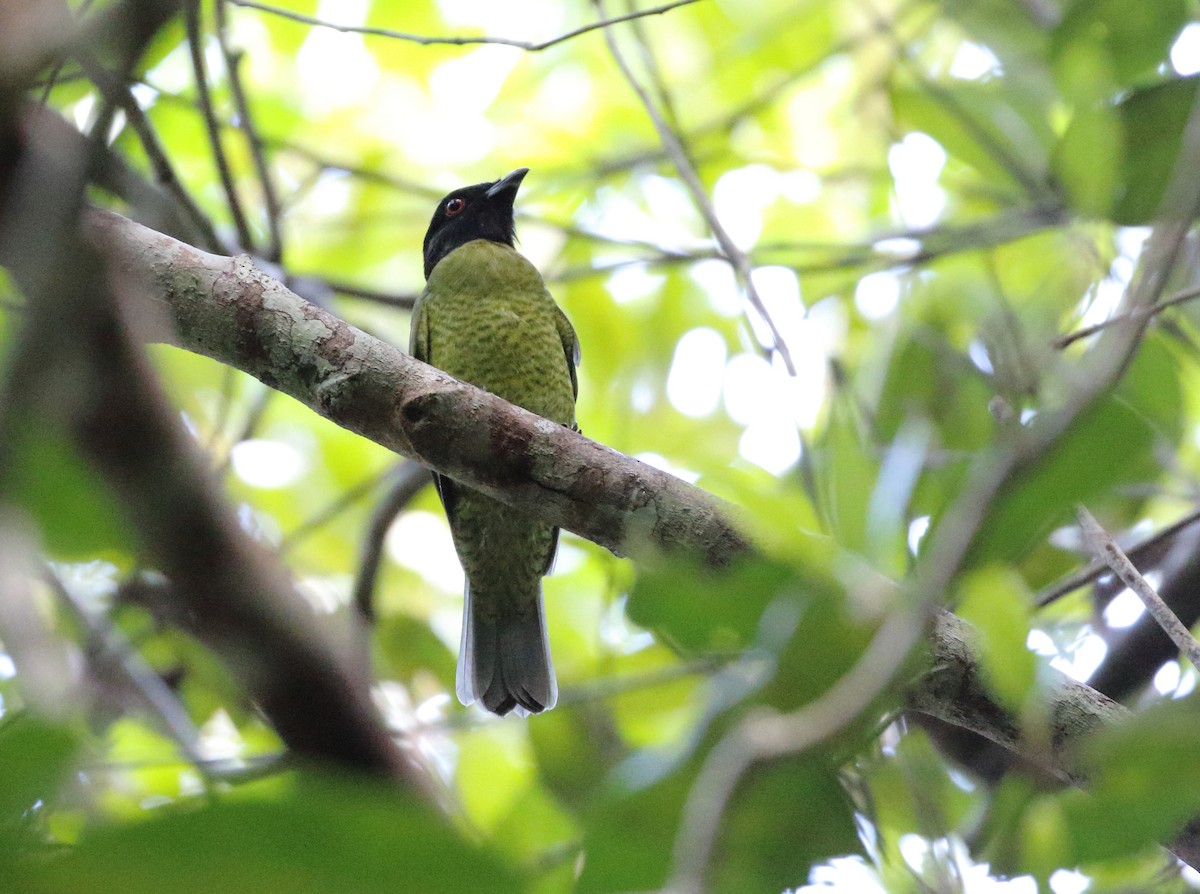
{"points": [[505, 662]]}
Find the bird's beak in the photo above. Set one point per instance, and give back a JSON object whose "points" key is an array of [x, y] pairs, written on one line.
{"points": [[507, 183]]}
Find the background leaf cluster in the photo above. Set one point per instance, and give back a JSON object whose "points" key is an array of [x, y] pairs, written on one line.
{"points": [[930, 193]]}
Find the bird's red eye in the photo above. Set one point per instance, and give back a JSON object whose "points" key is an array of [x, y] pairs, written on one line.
{"points": [[454, 206]]}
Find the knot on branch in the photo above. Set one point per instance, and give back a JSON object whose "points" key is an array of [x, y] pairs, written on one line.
{"points": [[457, 427]]}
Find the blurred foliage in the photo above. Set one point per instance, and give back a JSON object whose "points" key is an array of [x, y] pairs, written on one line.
{"points": [[930, 193]]}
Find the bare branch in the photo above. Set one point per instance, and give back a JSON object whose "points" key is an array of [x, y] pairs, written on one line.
{"points": [[407, 480], [1093, 570], [274, 250], [530, 46], [1107, 550], [196, 47], [738, 259], [1178, 298], [336, 507]]}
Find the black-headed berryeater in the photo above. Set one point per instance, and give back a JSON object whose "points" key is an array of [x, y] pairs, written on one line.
{"points": [[486, 318]]}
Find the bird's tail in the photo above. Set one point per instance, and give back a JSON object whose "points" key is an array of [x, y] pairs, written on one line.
{"points": [[504, 659]]}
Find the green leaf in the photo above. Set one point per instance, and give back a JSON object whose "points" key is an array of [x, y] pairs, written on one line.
{"points": [[629, 835], [1153, 119], [1110, 444], [325, 834], [34, 758], [845, 473], [75, 513], [412, 646], [917, 385], [1089, 157], [722, 608], [786, 815], [1135, 36], [1142, 784], [995, 601]]}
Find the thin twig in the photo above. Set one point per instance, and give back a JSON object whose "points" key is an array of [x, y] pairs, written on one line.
{"points": [[657, 80], [408, 477], [1178, 298], [737, 259], [1106, 549], [231, 772], [607, 687], [116, 90], [52, 79], [987, 138], [404, 301], [1089, 573], [324, 516], [424, 40], [864, 256], [274, 250], [111, 655], [196, 47], [254, 418]]}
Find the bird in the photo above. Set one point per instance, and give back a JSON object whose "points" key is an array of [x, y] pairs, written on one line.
{"points": [[486, 318]]}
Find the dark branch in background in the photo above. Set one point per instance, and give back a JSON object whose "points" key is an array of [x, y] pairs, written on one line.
{"points": [[199, 71], [1107, 550], [347, 498], [407, 479], [737, 258], [530, 46], [404, 301], [1089, 573], [1135, 653], [164, 206], [274, 249], [954, 692], [1178, 298], [76, 370]]}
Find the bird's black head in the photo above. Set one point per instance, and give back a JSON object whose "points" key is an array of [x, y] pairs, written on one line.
{"points": [[482, 211]]}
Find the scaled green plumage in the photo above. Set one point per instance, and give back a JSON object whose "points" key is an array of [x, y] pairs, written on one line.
{"points": [[485, 317]]}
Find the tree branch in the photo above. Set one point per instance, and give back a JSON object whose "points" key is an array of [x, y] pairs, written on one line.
{"points": [[423, 40], [1106, 548], [953, 691], [227, 309]]}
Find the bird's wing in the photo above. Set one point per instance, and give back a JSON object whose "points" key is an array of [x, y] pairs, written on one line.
{"points": [[418, 346], [418, 336], [570, 342], [570, 345]]}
